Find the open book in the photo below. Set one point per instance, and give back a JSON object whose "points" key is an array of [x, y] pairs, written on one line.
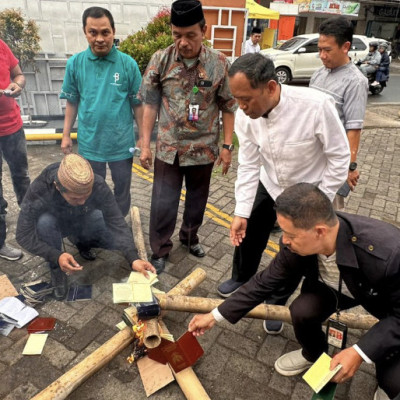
{"points": [[319, 374]]}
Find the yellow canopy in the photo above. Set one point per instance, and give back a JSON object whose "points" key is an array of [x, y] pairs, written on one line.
{"points": [[260, 12]]}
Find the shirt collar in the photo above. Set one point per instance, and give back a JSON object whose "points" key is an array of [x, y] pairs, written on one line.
{"points": [[111, 56], [278, 109], [201, 58], [345, 254], [344, 66]]}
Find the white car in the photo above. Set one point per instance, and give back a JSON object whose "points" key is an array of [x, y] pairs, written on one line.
{"points": [[298, 57]]}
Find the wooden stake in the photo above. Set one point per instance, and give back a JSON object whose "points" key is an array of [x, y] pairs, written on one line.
{"points": [[262, 311]]}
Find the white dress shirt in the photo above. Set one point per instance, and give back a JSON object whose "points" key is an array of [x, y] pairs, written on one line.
{"points": [[250, 47], [302, 140]]}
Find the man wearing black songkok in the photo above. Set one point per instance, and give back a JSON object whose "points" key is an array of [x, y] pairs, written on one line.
{"points": [[186, 79]]}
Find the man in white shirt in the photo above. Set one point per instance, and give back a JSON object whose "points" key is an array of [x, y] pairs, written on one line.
{"points": [[251, 45], [346, 260], [295, 134]]}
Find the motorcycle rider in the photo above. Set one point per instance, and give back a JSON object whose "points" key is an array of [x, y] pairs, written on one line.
{"points": [[382, 74], [370, 62]]}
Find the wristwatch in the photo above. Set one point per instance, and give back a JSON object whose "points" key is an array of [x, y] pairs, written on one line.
{"points": [[229, 147], [353, 166]]}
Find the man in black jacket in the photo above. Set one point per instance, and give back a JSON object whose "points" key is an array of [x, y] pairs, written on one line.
{"points": [[67, 199], [346, 260]]}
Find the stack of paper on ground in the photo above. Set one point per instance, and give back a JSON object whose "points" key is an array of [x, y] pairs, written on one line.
{"points": [[320, 374], [14, 313], [35, 292], [35, 344], [136, 290]]}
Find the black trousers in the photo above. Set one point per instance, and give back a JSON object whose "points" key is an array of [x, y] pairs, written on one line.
{"points": [[314, 305], [121, 173], [167, 186], [247, 256]]}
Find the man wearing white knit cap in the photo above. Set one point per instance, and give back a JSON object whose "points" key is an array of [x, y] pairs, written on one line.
{"points": [[67, 199]]}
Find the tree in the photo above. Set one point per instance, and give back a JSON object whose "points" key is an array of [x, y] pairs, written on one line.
{"points": [[144, 43], [21, 36]]}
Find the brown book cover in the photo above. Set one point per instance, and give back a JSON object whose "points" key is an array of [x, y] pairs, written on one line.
{"points": [[41, 324], [180, 354]]}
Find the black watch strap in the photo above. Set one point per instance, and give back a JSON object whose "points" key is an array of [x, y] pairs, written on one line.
{"points": [[229, 147]]}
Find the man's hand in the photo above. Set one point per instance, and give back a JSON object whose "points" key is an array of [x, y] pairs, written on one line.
{"points": [[68, 264], [352, 179], [350, 360], [142, 267], [201, 323], [145, 157], [238, 230], [66, 145], [225, 158], [14, 89]]}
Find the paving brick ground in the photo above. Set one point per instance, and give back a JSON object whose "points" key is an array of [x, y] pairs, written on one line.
{"points": [[238, 360]]}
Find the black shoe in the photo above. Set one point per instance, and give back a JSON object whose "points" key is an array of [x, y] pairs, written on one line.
{"points": [[88, 254], [196, 249], [158, 263], [59, 281], [225, 289]]}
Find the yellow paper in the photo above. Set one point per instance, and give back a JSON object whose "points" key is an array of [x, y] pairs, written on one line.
{"points": [[142, 293], [122, 293], [319, 374], [121, 325], [137, 277], [35, 344], [157, 291]]}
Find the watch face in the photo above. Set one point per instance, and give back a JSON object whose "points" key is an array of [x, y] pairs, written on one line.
{"points": [[353, 166]]}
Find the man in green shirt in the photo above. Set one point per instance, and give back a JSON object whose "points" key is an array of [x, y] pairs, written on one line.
{"points": [[100, 86]]}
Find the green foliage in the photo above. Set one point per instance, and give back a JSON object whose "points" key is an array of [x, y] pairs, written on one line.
{"points": [[21, 36], [144, 43]]}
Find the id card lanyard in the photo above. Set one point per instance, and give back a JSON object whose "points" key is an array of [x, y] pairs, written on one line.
{"points": [[193, 112], [336, 331]]}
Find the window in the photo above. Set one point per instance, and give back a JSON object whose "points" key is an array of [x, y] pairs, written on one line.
{"points": [[358, 44], [312, 47]]}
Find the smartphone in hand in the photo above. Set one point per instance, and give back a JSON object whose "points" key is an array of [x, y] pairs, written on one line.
{"points": [[344, 190]]}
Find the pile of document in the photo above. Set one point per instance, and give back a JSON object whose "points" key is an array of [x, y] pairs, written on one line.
{"points": [[14, 314], [35, 292]]}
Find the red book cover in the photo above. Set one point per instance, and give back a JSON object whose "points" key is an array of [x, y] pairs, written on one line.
{"points": [[41, 324], [180, 354]]}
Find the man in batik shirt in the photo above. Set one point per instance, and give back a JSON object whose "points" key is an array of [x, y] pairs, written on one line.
{"points": [[184, 77]]}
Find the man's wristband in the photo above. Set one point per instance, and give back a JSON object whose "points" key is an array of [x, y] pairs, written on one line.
{"points": [[229, 147], [18, 84]]}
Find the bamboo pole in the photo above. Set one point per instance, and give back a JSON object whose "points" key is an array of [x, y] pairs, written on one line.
{"points": [[138, 233], [151, 334], [262, 311]]}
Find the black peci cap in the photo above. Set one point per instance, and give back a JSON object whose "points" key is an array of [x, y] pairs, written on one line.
{"points": [[186, 13]]}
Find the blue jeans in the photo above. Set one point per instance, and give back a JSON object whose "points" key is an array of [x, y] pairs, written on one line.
{"points": [[89, 231], [13, 150], [121, 173]]}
